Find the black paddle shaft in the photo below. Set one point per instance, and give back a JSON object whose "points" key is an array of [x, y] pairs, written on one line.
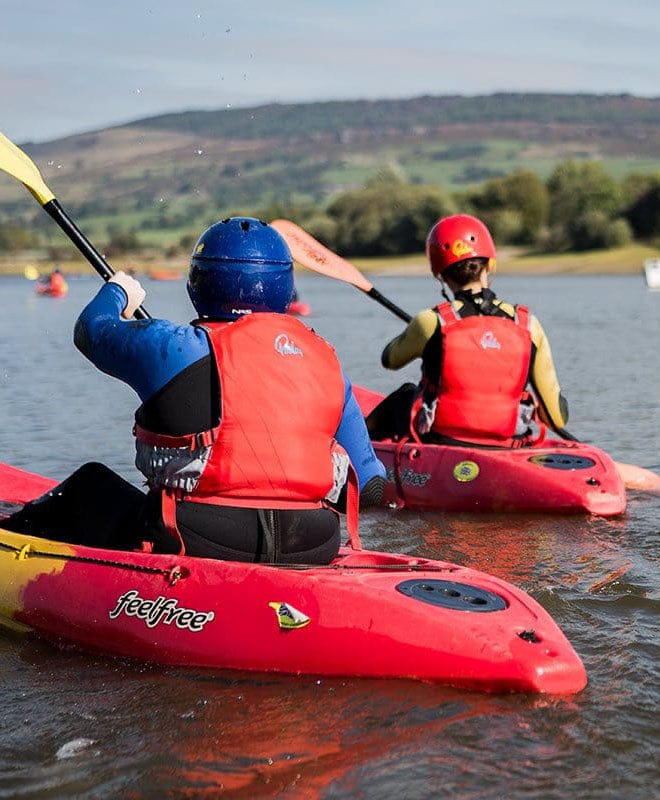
{"points": [[57, 213], [378, 297]]}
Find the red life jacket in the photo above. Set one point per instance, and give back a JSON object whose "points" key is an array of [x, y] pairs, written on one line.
{"points": [[57, 282], [282, 396], [485, 366]]}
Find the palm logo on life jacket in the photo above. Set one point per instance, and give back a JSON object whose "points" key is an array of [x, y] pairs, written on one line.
{"points": [[489, 340], [286, 346]]}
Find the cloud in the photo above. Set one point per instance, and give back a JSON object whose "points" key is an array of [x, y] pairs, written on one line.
{"points": [[78, 65]]}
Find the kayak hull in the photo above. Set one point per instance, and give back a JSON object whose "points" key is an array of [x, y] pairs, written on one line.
{"points": [[367, 614], [555, 476], [164, 275], [46, 290]]}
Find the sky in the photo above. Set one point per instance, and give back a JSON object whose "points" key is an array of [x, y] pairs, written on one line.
{"points": [[79, 65]]}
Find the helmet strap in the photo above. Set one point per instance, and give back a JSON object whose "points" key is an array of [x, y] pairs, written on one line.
{"points": [[443, 289]]}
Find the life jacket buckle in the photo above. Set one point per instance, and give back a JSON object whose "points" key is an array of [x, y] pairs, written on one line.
{"points": [[203, 439]]}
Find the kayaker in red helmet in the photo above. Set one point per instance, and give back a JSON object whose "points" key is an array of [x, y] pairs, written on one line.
{"points": [[247, 425], [480, 355]]}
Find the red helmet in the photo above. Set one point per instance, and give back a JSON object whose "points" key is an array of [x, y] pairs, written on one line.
{"points": [[456, 238]]}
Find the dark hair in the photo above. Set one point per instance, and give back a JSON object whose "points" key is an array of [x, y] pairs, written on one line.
{"points": [[466, 271]]}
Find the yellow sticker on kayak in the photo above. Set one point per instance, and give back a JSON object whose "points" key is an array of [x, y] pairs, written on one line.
{"points": [[289, 617], [466, 471]]}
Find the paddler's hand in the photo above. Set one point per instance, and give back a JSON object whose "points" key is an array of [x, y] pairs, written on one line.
{"points": [[135, 294]]}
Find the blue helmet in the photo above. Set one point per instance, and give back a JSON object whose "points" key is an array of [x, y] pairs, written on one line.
{"points": [[240, 265]]}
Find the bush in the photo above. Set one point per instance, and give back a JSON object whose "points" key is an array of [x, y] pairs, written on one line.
{"points": [[14, 238], [576, 188], [595, 230], [505, 225], [522, 194], [323, 228], [387, 217], [644, 213], [121, 242]]}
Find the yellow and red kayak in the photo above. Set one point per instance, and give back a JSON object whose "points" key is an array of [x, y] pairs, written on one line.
{"points": [[367, 613], [555, 476]]}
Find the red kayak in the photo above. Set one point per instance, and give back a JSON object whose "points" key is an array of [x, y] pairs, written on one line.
{"points": [[366, 614], [164, 275], [299, 309], [555, 476], [50, 288]]}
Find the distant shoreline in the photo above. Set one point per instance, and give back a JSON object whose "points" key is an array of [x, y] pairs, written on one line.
{"points": [[511, 261]]}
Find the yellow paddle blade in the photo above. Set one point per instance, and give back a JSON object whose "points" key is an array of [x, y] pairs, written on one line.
{"points": [[306, 250], [31, 272], [16, 163]]}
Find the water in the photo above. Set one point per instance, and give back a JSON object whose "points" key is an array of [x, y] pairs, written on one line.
{"points": [[80, 726]]}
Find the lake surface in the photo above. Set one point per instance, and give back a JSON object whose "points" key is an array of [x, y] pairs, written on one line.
{"points": [[79, 726]]}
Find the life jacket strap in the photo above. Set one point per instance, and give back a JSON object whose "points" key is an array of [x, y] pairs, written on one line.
{"points": [[194, 441], [168, 498], [353, 509]]}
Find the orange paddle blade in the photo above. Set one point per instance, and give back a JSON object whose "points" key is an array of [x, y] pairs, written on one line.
{"points": [[310, 253], [639, 478]]}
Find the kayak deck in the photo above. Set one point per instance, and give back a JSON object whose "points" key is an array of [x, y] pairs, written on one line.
{"points": [[555, 476], [366, 614]]}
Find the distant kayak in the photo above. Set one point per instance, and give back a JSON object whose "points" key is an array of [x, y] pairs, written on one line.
{"points": [[652, 273], [55, 286], [164, 275], [299, 308], [555, 476], [368, 614]]}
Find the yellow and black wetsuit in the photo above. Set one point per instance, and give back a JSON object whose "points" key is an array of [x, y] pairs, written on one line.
{"points": [[422, 339]]}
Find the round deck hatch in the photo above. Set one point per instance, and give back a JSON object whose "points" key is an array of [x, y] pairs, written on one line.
{"points": [[450, 594]]}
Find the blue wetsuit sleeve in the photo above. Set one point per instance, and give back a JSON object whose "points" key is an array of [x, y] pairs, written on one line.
{"points": [[353, 436], [146, 354]]}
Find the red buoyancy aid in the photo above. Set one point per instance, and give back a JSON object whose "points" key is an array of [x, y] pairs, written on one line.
{"points": [[282, 402], [485, 366], [282, 396], [57, 283]]}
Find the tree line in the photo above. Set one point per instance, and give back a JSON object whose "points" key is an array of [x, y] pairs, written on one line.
{"points": [[579, 207]]}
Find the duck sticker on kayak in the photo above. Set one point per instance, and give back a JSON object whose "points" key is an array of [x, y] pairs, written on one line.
{"points": [[288, 617], [466, 471]]}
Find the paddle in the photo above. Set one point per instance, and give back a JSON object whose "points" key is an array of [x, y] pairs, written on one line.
{"points": [[31, 272], [306, 250], [18, 164]]}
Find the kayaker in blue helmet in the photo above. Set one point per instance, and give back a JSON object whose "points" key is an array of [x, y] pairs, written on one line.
{"points": [[247, 427], [486, 363]]}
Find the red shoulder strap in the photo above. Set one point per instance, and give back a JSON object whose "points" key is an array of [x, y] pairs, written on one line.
{"points": [[447, 313], [522, 316]]}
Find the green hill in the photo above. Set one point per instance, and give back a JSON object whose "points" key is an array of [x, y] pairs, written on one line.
{"points": [[168, 175]]}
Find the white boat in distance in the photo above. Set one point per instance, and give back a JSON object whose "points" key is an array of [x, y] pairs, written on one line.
{"points": [[652, 272]]}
